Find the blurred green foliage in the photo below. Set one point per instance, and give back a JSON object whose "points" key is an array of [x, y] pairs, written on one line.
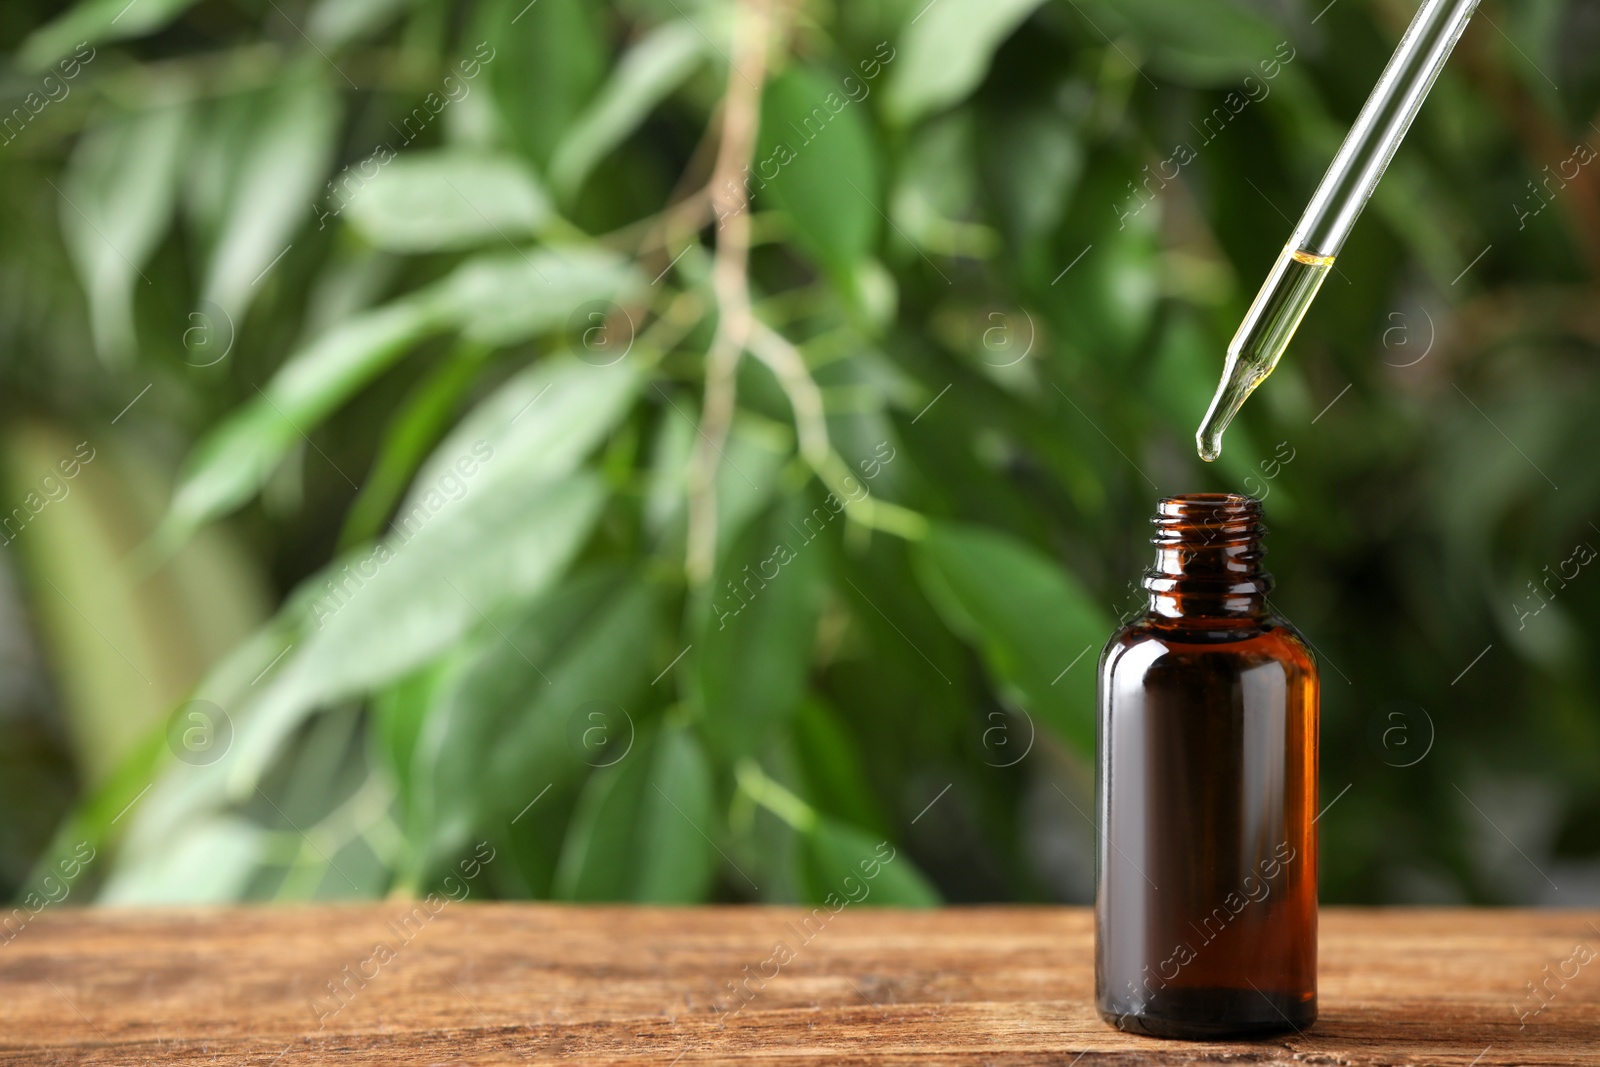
{"points": [[395, 314]]}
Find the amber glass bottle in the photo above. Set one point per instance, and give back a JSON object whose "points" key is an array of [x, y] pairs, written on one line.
{"points": [[1206, 894]]}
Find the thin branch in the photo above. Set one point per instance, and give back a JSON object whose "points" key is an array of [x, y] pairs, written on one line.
{"points": [[811, 426], [810, 418], [683, 310], [740, 120], [688, 208], [679, 219]]}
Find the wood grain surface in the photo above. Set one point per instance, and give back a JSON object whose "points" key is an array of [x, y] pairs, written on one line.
{"points": [[545, 984]]}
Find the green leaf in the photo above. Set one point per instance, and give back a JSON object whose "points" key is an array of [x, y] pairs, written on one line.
{"points": [[1032, 160], [1036, 627], [676, 864], [92, 22], [382, 614], [608, 662], [747, 476], [496, 299], [757, 624], [494, 678], [1108, 311], [399, 711], [335, 23], [90, 827], [638, 833], [234, 459], [1200, 42], [669, 462], [538, 426], [147, 809], [278, 174], [599, 849], [415, 428], [526, 715], [118, 666], [117, 202], [844, 864], [447, 200], [645, 75], [223, 130], [836, 780], [548, 59], [505, 299], [817, 163], [945, 52], [210, 862], [750, 472]]}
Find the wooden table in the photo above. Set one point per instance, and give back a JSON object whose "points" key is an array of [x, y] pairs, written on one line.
{"points": [[536, 984]]}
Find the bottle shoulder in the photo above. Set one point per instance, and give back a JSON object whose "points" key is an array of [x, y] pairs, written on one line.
{"points": [[1269, 637]]}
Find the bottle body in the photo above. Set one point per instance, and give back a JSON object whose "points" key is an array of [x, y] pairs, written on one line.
{"points": [[1206, 910]]}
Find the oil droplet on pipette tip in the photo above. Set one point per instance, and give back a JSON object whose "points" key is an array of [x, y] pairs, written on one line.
{"points": [[1273, 317], [1231, 393]]}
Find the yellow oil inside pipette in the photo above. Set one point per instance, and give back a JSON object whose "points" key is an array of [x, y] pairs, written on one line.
{"points": [[1261, 339]]}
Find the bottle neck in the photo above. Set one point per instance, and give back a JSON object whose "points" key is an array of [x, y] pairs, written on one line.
{"points": [[1208, 558]]}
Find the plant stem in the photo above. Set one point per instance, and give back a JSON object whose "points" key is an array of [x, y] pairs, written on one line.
{"points": [[811, 425], [741, 116]]}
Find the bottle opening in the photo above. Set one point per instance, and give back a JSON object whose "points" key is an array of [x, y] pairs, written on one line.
{"points": [[1208, 557], [1200, 519]]}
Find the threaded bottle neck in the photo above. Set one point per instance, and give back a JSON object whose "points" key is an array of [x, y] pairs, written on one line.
{"points": [[1208, 558]]}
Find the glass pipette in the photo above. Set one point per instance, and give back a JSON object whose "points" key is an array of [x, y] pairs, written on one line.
{"points": [[1306, 260]]}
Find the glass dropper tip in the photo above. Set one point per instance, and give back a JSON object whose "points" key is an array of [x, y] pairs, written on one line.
{"points": [[1237, 383], [1273, 317]]}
